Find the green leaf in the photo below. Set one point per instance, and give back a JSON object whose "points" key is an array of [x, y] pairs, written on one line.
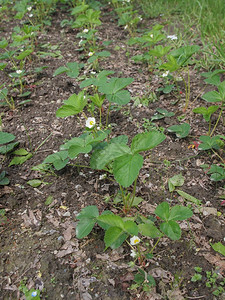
{"points": [[163, 211], [66, 111], [3, 43], [121, 97], [137, 201], [114, 237], [49, 200], [114, 85], [60, 70], [6, 137], [112, 220], [209, 142], [8, 148], [104, 225], [103, 54], [218, 247], [149, 230], [121, 139], [189, 197], [181, 130], [73, 105], [140, 278], [60, 164], [177, 180], [21, 152], [58, 159], [146, 141], [90, 211], [218, 173], [34, 182], [131, 227], [73, 69], [221, 88], [97, 100], [162, 113], [206, 112], [74, 150], [2, 66], [183, 54], [84, 227], [108, 154], [126, 168], [212, 96], [171, 229], [24, 54], [179, 213], [172, 64], [19, 160], [4, 181]]}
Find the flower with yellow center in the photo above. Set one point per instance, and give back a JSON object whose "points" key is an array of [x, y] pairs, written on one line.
{"points": [[90, 122], [134, 240]]}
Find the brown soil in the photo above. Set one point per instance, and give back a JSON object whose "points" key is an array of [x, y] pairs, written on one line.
{"points": [[38, 241]]}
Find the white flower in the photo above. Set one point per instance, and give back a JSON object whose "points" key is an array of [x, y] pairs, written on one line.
{"points": [[140, 18], [90, 53], [165, 74], [172, 37], [80, 42], [151, 36], [34, 294], [98, 128], [103, 176], [30, 15], [85, 30], [19, 71], [29, 8], [133, 253], [134, 240], [178, 78], [90, 122], [126, 27], [93, 72]]}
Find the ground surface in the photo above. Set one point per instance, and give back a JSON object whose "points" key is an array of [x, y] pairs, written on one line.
{"points": [[38, 241]]}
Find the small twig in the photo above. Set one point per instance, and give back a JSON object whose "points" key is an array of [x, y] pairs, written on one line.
{"points": [[199, 297]]}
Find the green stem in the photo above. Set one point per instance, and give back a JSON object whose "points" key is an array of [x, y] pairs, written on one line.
{"points": [[100, 116], [177, 87], [38, 147], [123, 196], [214, 128], [186, 91], [133, 193], [218, 155], [80, 166], [107, 117], [209, 127], [156, 244]]}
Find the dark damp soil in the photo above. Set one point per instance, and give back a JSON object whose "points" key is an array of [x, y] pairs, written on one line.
{"points": [[38, 242]]}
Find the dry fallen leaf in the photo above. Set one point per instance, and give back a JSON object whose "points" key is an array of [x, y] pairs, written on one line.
{"points": [[30, 219], [53, 220], [68, 233], [215, 260], [63, 253], [165, 276], [175, 295]]}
